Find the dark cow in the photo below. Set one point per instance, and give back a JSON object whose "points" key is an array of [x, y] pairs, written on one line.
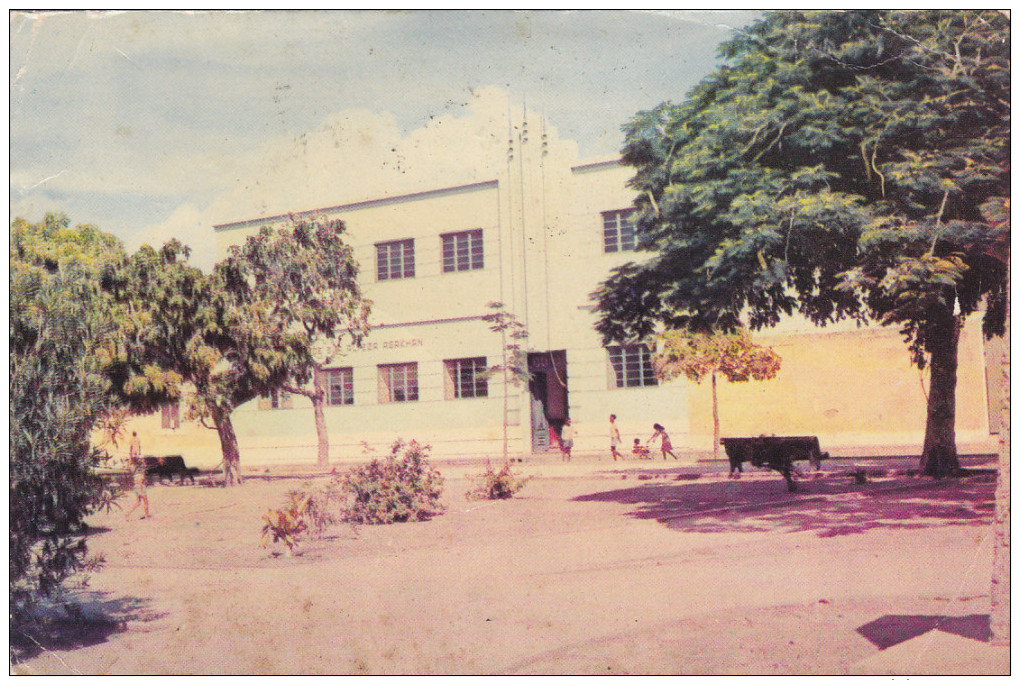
{"points": [[165, 467], [774, 453]]}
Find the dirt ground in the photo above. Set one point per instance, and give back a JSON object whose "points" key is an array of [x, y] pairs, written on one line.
{"points": [[590, 570]]}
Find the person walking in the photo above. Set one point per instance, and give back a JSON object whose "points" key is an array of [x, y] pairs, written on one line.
{"points": [[667, 446], [137, 464], [566, 440], [614, 437]]}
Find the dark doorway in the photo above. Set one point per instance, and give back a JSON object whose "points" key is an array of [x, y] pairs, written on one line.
{"points": [[550, 405]]}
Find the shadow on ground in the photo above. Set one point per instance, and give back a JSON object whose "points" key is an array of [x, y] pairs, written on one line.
{"points": [[85, 624], [827, 506], [890, 630]]}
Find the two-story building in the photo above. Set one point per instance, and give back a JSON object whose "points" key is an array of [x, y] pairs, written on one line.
{"points": [[538, 238]]}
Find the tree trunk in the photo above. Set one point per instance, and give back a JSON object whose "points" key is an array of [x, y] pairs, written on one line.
{"points": [[715, 420], [938, 458], [319, 408], [228, 442], [999, 620]]}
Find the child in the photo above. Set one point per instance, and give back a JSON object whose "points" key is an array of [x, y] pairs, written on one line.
{"points": [[614, 438], [640, 451], [137, 464], [566, 440], [667, 447]]}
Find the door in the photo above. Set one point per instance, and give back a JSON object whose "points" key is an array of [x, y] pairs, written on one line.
{"points": [[549, 402]]}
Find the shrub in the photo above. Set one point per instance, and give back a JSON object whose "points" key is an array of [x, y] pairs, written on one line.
{"points": [[56, 396], [287, 524], [403, 487], [307, 511], [494, 485]]}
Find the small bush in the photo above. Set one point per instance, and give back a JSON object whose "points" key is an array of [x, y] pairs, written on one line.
{"points": [[307, 511], [403, 487], [494, 485], [287, 524]]}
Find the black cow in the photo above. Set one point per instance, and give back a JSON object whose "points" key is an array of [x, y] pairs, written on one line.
{"points": [[774, 453]]}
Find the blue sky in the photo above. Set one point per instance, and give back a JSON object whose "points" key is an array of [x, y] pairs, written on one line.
{"points": [[160, 124]]}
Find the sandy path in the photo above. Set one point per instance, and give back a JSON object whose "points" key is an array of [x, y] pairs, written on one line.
{"points": [[587, 574]]}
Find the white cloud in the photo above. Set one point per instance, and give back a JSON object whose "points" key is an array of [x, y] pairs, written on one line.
{"points": [[187, 226], [352, 155]]}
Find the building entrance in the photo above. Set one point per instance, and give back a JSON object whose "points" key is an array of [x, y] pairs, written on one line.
{"points": [[550, 405]]}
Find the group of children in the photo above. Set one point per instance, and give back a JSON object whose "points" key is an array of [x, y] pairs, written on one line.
{"points": [[641, 451]]}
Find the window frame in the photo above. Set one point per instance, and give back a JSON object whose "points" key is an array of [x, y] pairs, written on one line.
{"points": [[631, 366], [345, 376], [407, 373], [455, 245], [458, 384], [385, 264], [278, 400], [614, 223]]}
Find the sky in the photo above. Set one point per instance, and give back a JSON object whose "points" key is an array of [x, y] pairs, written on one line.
{"points": [[154, 125]]}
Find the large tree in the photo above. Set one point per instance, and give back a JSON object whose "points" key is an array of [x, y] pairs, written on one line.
{"points": [[61, 329], [204, 330], [835, 166], [307, 276]]}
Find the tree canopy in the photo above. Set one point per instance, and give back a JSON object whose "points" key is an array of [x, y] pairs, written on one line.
{"points": [[697, 355], [61, 329], [306, 275], [835, 166]]}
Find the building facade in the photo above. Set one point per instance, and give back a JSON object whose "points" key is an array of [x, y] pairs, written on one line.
{"points": [[537, 239]]}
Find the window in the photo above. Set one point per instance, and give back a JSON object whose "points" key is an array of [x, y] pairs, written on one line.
{"points": [[277, 399], [632, 366], [395, 259], [339, 385], [463, 251], [398, 382], [465, 379], [171, 414], [618, 231]]}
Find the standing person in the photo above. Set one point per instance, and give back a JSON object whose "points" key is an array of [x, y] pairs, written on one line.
{"points": [[137, 464], [566, 440], [667, 446], [614, 437]]}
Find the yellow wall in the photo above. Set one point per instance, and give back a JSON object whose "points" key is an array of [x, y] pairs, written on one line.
{"points": [[199, 446], [848, 387]]}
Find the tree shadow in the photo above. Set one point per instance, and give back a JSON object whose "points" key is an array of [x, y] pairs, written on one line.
{"points": [[828, 506], [892, 629], [90, 621]]}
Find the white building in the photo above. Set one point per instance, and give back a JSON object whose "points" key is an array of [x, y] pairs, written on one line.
{"points": [[538, 238]]}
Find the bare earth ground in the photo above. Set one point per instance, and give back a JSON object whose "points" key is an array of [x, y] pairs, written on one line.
{"points": [[592, 569]]}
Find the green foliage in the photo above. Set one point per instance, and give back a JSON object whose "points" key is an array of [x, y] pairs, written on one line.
{"points": [[248, 329], [305, 276], [494, 485], [696, 355], [839, 165], [241, 332], [816, 170], [61, 332], [402, 487], [515, 355]]}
